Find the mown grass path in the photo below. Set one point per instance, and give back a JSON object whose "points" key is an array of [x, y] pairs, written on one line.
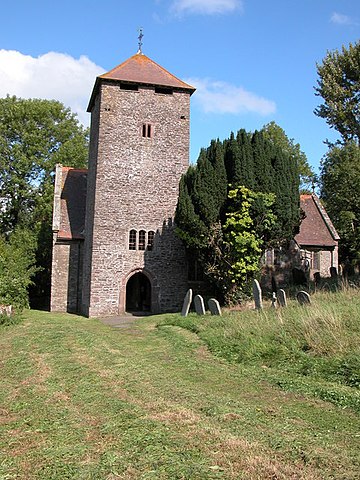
{"points": [[82, 400]]}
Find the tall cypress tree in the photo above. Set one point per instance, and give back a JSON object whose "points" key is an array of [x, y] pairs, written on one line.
{"points": [[245, 160]]}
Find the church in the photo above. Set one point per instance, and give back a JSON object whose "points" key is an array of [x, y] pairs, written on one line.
{"points": [[115, 249], [114, 242]]}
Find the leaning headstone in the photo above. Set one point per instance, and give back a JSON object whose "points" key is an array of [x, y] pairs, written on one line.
{"points": [[273, 300], [187, 303], [257, 295], [281, 298], [214, 306], [199, 305], [303, 298]]}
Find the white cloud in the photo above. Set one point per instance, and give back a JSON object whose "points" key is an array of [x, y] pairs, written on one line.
{"points": [[205, 7], [53, 76], [221, 97], [341, 19]]}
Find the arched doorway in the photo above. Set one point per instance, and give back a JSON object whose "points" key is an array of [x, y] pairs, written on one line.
{"points": [[138, 293]]}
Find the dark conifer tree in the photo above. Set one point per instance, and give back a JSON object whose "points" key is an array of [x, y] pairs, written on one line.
{"points": [[232, 160], [246, 160], [249, 160]]}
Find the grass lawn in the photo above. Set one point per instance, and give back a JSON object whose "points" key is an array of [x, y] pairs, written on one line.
{"points": [[155, 400]]}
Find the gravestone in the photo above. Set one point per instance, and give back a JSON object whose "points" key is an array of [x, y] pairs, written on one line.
{"points": [[273, 300], [303, 298], [214, 306], [281, 298], [187, 303], [257, 295], [199, 305]]}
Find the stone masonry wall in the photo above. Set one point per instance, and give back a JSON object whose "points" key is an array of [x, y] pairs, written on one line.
{"points": [[90, 206], [66, 278], [137, 181], [327, 260]]}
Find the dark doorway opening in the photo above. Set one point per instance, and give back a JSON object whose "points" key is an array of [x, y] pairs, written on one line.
{"points": [[138, 294]]}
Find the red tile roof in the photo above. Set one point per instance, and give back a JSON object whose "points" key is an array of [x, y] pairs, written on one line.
{"points": [[72, 203], [316, 229], [140, 69]]}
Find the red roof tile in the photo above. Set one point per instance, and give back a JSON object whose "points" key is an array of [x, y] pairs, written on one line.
{"points": [[316, 229], [140, 69]]}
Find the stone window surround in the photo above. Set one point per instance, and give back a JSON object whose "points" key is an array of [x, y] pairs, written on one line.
{"points": [[137, 239], [147, 130]]}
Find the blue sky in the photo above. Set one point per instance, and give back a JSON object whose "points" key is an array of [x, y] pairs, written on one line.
{"points": [[252, 61]]}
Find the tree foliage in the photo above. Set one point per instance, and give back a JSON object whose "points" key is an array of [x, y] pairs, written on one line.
{"points": [[237, 244], [35, 135], [215, 223], [17, 267], [340, 190], [339, 86], [277, 135]]}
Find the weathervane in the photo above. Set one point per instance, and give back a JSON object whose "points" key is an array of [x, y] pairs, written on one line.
{"points": [[140, 37]]}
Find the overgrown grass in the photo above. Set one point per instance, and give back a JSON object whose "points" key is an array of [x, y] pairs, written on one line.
{"points": [[314, 348], [80, 400]]}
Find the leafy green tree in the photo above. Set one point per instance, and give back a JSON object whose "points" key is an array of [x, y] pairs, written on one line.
{"points": [[35, 135], [240, 245], [339, 86], [340, 190], [17, 266], [278, 137]]}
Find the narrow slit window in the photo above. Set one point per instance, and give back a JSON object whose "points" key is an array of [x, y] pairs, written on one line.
{"points": [[151, 236], [142, 239], [132, 240], [147, 130]]}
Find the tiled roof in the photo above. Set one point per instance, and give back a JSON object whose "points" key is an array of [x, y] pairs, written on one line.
{"points": [[316, 229], [140, 69], [72, 203]]}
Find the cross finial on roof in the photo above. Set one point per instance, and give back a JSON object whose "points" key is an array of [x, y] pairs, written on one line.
{"points": [[140, 37]]}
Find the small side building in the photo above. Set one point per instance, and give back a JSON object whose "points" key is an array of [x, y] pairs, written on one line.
{"points": [[317, 239], [314, 248]]}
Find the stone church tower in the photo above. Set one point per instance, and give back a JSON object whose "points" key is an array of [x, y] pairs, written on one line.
{"points": [[123, 255]]}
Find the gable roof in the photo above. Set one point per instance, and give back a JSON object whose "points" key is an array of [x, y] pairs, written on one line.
{"points": [[316, 229], [140, 69]]}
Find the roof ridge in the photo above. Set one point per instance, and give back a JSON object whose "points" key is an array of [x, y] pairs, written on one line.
{"points": [[177, 83], [325, 217]]}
